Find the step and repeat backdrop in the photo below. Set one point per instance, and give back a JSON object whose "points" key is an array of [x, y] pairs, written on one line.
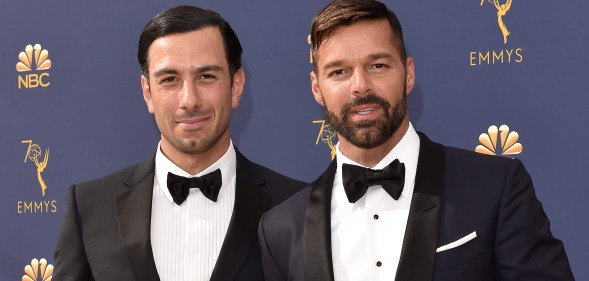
{"points": [[500, 77]]}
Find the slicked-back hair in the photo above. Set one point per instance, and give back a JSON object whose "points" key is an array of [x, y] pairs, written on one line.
{"points": [[347, 12], [183, 19]]}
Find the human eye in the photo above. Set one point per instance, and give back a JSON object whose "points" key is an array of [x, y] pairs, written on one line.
{"points": [[335, 73], [168, 80], [378, 66], [208, 77], [169, 83]]}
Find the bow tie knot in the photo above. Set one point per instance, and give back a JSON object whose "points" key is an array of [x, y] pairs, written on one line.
{"points": [[358, 179], [209, 185]]}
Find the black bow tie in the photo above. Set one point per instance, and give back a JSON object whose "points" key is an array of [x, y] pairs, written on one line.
{"points": [[209, 185], [358, 179]]}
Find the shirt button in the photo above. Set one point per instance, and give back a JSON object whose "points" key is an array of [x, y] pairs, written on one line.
{"points": [[375, 217], [378, 263]]}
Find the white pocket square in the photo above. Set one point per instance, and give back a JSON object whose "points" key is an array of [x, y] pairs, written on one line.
{"points": [[458, 242]]}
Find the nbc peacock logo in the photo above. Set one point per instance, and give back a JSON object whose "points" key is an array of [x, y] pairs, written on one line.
{"points": [[33, 58], [503, 137], [38, 270]]}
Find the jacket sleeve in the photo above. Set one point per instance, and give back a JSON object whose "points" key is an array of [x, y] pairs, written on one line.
{"points": [[271, 270], [524, 246], [71, 262]]}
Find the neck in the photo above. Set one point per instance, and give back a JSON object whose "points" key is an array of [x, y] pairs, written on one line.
{"points": [[369, 157], [194, 163]]}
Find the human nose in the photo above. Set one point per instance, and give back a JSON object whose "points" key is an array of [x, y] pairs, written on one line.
{"points": [[189, 98], [361, 84]]}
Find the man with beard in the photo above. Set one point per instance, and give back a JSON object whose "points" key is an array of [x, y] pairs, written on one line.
{"points": [[191, 210], [394, 205]]}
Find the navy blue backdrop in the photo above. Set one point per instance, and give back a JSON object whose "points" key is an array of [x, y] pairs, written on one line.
{"points": [[71, 107]]}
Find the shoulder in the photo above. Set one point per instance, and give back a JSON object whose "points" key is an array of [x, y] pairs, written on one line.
{"points": [[466, 159], [118, 175], [278, 186], [116, 182], [290, 212], [273, 177], [481, 180], [470, 161]]}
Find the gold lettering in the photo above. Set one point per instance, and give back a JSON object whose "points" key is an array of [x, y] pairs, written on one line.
{"points": [[29, 207], [33, 80], [38, 207], [509, 52], [518, 52], [473, 58], [484, 57], [23, 81], [28, 149], [41, 79], [45, 206], [496, 57], [53, 206], [320, 130]]}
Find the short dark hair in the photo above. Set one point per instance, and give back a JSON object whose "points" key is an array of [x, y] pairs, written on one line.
{"points": [[347, 12], [182, 19]]}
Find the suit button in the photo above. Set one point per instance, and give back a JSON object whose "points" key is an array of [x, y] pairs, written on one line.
{"points": [[378, 263], [375, 217]]}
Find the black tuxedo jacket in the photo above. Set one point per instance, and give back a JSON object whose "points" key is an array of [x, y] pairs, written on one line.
{"points": [[456, 193], [106, 230]]}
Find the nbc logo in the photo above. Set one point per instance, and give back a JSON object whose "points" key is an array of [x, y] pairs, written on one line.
{"points": [[508, 141], [33, 58], [38, 270]]}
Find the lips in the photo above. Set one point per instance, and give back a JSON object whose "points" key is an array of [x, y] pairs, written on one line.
{"points": [[364, 112], [192, 123]]}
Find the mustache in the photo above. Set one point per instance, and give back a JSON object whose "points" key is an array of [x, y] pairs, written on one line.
{"points": [[368, 99]]}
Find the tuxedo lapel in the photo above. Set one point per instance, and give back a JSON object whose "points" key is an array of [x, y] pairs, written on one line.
{"points": [[250, 203], [318, 264], [134, 218], [421, 235]]}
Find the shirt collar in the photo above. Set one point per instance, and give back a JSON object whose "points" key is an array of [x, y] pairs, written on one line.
{"points": [[227, 164], [407, 151]]}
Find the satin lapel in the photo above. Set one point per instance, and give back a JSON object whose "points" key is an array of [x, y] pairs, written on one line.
{"points": [[134, 217], [421, 235], [318, 264], [250, 203]]}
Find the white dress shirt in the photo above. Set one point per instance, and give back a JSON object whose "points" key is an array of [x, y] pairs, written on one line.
{"points": [[367, 236], [187, 238]]}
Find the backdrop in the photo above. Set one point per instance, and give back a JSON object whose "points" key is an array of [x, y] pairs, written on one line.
{"points": [[71, 108]]}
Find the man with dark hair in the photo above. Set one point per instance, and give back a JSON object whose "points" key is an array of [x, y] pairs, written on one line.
{"points": [[191, 210], [394, 205]]}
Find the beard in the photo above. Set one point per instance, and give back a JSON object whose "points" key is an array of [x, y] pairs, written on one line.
{"points": [[368, 134]]}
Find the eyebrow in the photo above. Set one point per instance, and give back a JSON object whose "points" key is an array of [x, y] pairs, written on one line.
{"points": [[200, 69], [371, 57], [380, 56]]}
